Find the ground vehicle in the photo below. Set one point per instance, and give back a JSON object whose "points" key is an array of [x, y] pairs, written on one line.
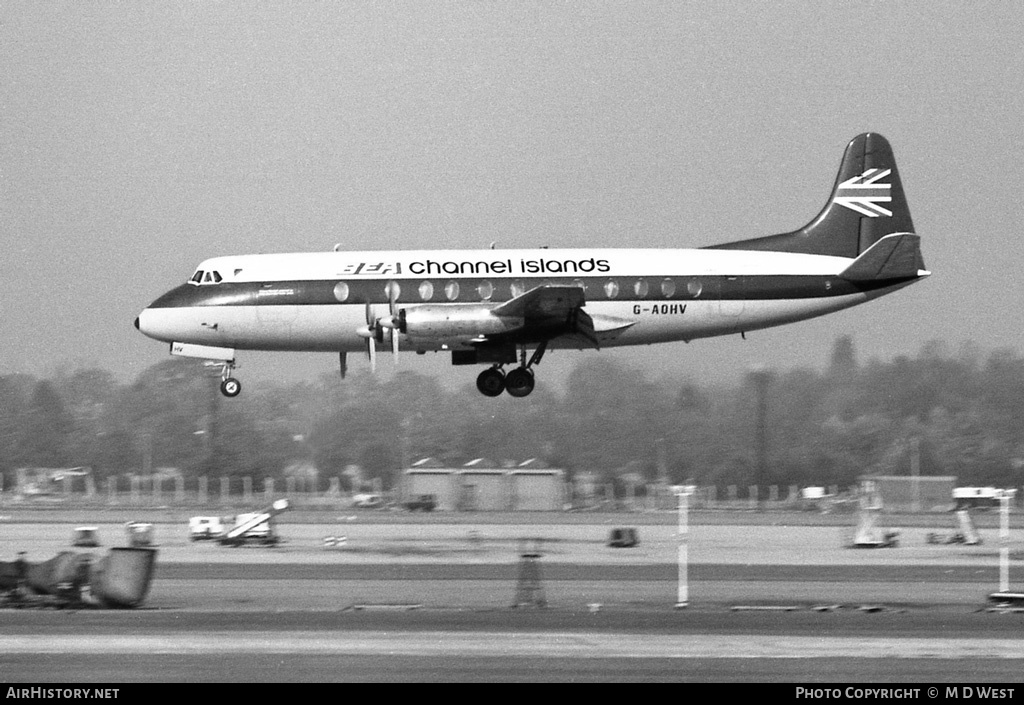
{"points": [[421, 502], [255, 527], [204, 528], [976, 497], [367, 500]]}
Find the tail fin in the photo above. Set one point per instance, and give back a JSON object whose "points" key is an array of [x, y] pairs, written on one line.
{"points": [[867, 203]]}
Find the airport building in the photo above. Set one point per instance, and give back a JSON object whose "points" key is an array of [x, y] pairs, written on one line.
{"points": [[482, 485]]}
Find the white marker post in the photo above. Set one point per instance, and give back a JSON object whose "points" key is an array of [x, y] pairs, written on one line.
{"points": [[1004, 541], [682, 493]]}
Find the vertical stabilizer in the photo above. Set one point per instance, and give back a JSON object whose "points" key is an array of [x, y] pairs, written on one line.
{"points": [[867, 203]]}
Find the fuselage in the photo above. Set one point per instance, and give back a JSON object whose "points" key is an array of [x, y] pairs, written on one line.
{"points": [[318, 301], [489, 306]]}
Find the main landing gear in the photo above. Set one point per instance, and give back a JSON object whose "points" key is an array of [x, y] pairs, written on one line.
{"points": [[518, 382]]}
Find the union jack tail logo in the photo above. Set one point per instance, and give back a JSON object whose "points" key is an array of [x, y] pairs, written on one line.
{"points": [[863, 193]]}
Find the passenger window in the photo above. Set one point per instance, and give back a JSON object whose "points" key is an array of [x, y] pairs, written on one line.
{"points": [[341, 291], [426, 291], [640, 288], [516, 288], [451, 291], [694, 287], [611, 289], [668, 288], [392, 291], [485, 289], [580, 284]]}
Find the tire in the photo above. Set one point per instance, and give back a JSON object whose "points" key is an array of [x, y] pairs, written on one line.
{"points": [[519, 382], [491, 382], [231, 387]]}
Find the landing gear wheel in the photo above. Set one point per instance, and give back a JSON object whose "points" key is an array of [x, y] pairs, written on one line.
{"points": [[519, 382], [230, 387], [491, 382]]}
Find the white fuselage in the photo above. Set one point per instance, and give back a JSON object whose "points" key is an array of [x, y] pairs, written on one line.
{"points": [[319, 301]]}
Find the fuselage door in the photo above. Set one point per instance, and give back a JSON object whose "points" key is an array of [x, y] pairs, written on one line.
{"points": [[732, 292]]}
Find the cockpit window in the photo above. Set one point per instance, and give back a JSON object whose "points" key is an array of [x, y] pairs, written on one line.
{"points": [[210, 277]]}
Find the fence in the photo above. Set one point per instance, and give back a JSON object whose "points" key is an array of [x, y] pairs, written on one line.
{"points": [[307, 492]]}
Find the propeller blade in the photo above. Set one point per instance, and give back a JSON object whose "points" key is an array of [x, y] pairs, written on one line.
{"points": [[391, 322], [371, 352], [393, 290]]}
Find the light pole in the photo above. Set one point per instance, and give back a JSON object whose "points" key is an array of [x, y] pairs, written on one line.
{"points": [[761, 379]]}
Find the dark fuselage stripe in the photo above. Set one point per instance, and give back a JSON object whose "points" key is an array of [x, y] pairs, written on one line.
{"points": [[361, 291]]}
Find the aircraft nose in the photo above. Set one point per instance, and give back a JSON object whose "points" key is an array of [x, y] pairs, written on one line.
{"points": [[146, 323]]}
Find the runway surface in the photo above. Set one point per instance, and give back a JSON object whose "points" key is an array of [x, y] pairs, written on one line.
{"points": [[421, 603]]}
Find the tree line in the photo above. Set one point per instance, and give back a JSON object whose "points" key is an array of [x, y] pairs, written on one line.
{"points": [[938, 413]]}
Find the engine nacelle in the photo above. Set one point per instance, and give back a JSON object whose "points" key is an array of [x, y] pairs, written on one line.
{"points": [[443, 322]]}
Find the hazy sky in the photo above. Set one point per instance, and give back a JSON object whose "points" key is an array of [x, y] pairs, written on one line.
{"points": [[137, 139]]}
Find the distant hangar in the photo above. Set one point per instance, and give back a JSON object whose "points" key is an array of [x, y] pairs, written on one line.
{"points": [[482, 485]]}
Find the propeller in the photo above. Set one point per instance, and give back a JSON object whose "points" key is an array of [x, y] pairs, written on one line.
{"points": [[391, 322], [373, 331]]}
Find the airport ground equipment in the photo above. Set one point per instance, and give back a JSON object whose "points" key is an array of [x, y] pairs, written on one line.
{"points": [[967, 534], [119, 580], [140, 534], [255, 528], [205, 528], [627, 537], [85, 537], [869, 534], [976, 497], [529, 586]]}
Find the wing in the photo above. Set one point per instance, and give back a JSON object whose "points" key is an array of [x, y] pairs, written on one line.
{"points": [[552, 311], [543, 303]]}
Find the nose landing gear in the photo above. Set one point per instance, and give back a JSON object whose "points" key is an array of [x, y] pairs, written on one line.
{"points": [[229, 386]]}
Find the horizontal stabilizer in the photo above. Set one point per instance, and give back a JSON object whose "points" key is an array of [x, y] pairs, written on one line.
{"points": [[896, 256]]}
